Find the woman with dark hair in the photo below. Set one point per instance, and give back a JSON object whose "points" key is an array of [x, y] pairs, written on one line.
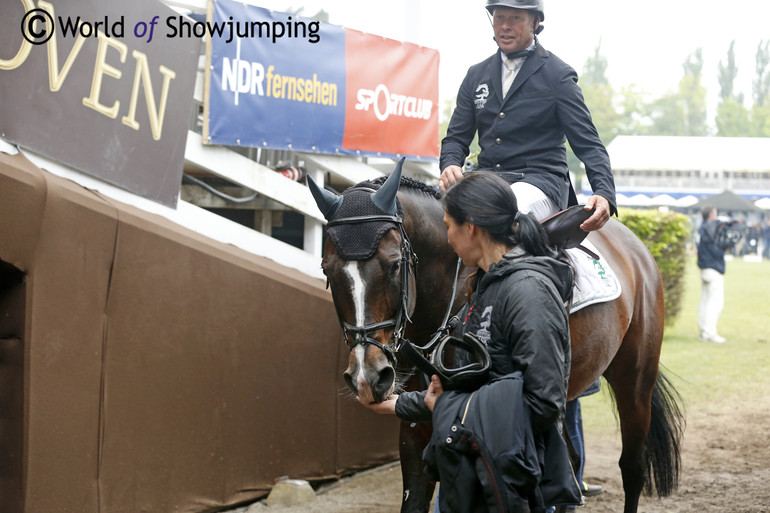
{"points": [[518, 293], [517, 300]]}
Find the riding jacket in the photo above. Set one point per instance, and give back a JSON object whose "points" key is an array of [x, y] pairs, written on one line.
{"points": [[523, 134], [711, 254], [518, 311]]}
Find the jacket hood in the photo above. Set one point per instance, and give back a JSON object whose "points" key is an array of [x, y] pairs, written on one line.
{"points": [[560, 273]]}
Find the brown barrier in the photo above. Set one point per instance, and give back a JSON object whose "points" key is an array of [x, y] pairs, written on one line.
{"points": [[152, 369]]}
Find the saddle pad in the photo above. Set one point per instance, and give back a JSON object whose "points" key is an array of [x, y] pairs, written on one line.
{"points": [[595, 281]]}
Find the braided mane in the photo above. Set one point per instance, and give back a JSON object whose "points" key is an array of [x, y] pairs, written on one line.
{"points": [[406, 183]]}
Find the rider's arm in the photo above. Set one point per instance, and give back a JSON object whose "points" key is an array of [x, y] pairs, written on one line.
{"points": [[583, 137]]}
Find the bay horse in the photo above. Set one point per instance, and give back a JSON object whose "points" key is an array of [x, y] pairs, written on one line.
{"points": [[376, 234]]}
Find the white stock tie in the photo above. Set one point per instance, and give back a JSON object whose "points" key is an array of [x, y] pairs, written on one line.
{"points": [[510, 73]]}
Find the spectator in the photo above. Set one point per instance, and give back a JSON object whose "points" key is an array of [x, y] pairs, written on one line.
{"points": [[711, 261]]}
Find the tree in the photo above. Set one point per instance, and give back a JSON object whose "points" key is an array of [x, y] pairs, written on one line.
{"points": [[595, 68], [667, 116], [632, 109], [599, 95], [732, 117], [599, 98], [727, 74], [682, 112], [760, 111], [693, 95], [761, 85]]}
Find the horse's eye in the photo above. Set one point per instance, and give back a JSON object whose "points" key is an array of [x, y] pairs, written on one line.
{"points": [[395, 267]]}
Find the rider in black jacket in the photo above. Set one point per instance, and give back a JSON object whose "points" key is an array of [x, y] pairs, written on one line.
{"points": [[522, 133]]}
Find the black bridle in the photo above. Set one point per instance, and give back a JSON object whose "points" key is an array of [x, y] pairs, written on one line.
{"points": [[362, 335]]}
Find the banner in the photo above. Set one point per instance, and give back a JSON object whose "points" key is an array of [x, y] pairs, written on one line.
{"points": [[279, 81], [103, 86]]}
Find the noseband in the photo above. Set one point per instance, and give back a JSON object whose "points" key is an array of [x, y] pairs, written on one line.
{"points": [[355, 335]]}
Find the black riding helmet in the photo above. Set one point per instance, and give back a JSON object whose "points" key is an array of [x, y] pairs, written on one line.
{"points": [[527, 5]]}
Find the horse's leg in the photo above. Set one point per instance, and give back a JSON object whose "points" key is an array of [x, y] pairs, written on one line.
{"points": [[634, 414], [418, 489], [632, 375]]}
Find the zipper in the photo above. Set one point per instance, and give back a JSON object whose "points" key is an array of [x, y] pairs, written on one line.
{"points": [[467, 405]]}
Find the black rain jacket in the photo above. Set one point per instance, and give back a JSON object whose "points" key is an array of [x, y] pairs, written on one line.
{"points": [[509, 453]]}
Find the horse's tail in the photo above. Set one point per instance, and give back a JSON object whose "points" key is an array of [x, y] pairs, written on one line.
{"points": [[662, 458]]}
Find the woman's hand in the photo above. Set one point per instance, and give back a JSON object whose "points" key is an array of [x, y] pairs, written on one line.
{"points": [[434, 391], [386, 407]]}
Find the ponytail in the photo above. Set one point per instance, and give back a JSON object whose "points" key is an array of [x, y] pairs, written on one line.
{"points": [[531, 236]]}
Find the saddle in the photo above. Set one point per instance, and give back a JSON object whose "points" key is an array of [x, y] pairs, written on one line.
{"points": [[563, 228]]}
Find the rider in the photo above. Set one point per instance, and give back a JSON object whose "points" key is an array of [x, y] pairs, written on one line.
{"points": [[522, 132]]}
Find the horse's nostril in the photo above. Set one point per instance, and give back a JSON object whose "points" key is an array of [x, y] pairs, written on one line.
{"points": [[384, 383], [351, 384]]}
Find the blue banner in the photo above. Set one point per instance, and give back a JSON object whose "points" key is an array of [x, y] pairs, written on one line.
{"points": [[276, 80]]}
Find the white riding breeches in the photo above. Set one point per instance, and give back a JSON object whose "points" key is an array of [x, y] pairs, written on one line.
{"points": [[532, 200]]}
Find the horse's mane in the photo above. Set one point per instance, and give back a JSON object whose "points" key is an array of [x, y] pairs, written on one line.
{"points": [[406, 183]]}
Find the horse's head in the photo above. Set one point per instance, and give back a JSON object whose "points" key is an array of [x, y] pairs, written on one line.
{"points": [[369, 264]]}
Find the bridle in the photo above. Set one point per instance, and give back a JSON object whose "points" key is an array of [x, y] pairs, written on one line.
{"points": [[471, 374], [362, 335]]}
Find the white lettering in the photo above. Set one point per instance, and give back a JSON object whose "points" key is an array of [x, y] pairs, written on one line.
{"points": [[384, 104]]}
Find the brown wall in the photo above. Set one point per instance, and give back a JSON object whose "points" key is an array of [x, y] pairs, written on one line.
{"points": [[147, 368]]}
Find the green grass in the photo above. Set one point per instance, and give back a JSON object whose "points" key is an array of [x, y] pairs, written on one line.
{"points": [[711, 377]]}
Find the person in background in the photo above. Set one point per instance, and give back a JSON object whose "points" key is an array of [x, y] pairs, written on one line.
{"points": [[711, 261], [766, 239]]}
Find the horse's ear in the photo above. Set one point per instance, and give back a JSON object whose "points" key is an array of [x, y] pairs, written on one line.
{"points": [[385, 197], [327, 201]]}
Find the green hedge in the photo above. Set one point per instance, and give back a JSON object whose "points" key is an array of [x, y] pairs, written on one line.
{"points": [[666, 234]]}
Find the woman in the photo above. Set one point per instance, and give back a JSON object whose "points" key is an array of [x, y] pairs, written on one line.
{"points": [[517, 308]]}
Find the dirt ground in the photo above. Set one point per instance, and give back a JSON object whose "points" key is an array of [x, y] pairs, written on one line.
{"points": [[726, 468]]}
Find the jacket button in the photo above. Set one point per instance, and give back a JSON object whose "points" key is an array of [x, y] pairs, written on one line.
{"points": [[454, 429], [501, 115], [498, 140], [449, 440], [498, 166]]}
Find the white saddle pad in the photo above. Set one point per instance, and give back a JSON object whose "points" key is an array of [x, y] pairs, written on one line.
{"points": [[595, 281]]}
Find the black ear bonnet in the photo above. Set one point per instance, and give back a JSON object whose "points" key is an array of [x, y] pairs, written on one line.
{"points": [[359, 241]]}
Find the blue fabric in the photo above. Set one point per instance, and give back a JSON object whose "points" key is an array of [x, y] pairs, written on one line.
{"points": [[710, 254], [574, 422]]}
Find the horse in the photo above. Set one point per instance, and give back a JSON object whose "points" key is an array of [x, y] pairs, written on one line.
{"points": [[377, 234]]}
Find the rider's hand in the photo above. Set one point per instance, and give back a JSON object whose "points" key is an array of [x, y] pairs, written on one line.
{"points": [[388, 406], [449, 176], [600, 217], [434, 391]]}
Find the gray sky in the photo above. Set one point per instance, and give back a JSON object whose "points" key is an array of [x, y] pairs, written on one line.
{"points": [[645, 42]]}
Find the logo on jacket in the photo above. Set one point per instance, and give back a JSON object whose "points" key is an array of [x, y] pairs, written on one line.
{"points": [[482, 91], [483, 333]]}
